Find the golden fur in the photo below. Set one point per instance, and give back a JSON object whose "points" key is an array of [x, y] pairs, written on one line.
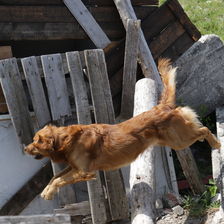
{"points": [[86, 148]]}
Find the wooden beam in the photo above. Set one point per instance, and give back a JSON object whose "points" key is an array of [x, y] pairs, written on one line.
{"points": [[86, 2], [88, 23], [33, 187], [31, 219], [61, 14]]}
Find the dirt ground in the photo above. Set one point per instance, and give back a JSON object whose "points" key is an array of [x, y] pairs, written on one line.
{"points": [[185, 219]]}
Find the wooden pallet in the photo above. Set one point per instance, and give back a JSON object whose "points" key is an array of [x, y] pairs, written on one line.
{"points": [[57, 94]]}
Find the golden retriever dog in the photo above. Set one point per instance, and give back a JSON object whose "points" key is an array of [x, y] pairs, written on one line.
{"points": [[86, 148]]}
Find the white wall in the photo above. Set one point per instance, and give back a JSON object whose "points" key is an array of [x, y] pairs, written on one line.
{"points": [[16, 169]]}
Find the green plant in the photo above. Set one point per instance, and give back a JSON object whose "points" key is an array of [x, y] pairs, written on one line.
{"points": [[198, 206]]}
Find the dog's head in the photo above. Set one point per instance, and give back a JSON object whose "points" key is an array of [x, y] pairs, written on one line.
{"points": [[43, 144]]}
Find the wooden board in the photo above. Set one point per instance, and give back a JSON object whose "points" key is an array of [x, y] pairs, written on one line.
{"points": [[61, 14], [130, 68], [104, 113], [20, 200], [16, 101], [36, 90], [56, 86], [31, 219], [55, 31], [88, 23], [86, 2], [5, 52], [165, 39], [79, 88], [96, 197], [184, 19]]}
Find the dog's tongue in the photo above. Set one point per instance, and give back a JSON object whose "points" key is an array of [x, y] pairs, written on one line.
{"points": [[39, 156]]}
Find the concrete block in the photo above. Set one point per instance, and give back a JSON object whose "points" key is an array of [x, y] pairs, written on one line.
{"points": [[200, 75]]}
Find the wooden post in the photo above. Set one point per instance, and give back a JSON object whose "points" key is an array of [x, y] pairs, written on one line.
{"points": [[191, 172], [220, 131], [142, 173], [130, 68]]}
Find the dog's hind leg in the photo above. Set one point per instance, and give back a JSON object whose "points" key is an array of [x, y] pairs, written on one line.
{"points": [[71, 177], [204, 132]]}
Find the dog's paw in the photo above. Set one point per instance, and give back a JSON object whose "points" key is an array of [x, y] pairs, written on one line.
{"points": [[49, 197], [44, 193], [217, 145]]}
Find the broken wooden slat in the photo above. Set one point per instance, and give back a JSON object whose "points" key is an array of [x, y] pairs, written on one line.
{"points": [[104, 113], [88, 23], [60, 107], [36, 90], [146, 61], [31, 219], [76, 209], [56, 86], [5, 52], [96, 197], [79, 88], [16, 101], [20, 200], [130, 68]]}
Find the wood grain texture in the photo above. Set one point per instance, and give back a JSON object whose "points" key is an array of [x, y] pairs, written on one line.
{"points": [[184, 19], [36, 90], [142, 171], [16, 101], [86, 2], [130, 68], [88, 23], [79, 88], [30, 219], [191, 172], [104, 113], [20, 200], [56, 86]]}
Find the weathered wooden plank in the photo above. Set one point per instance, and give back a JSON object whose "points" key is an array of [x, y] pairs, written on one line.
{"points": [[191, 172], [16, 101], [98, 209], [181, 45], [104, 113], [56, 86], [86, 2], [32, 219], [130, 68], [157, 22], [165, 39], [61, 14], [36, 90], [184, 19], [19, 201], [76, 209], [79, 88], [146, 61], [55, 31], [88, 23]]}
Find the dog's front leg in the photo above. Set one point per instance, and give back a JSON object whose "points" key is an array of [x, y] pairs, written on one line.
{"points": [[71, 177], [63, 172]]}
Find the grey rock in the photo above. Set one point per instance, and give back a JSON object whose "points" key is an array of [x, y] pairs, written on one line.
{"points": [[178, 210], [200, 75]]}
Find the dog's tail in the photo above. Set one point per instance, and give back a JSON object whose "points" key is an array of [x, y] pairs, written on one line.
{"points": [[168, 78]]}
